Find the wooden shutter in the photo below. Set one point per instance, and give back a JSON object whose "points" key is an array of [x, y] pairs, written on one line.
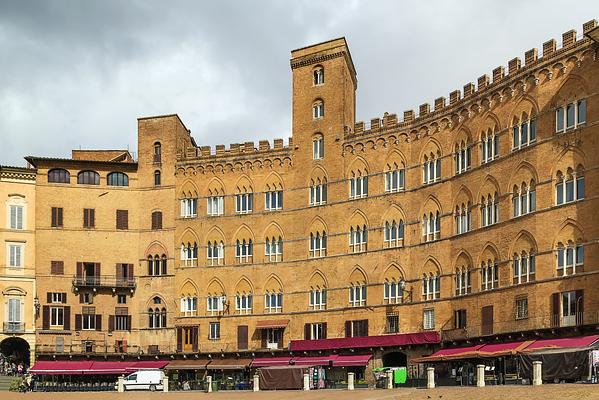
{"points": [[124, 345], [54, 223], [92, 217], [98, 322], [64, 297], [555, 309], [97, 269], [85, 218], [179, 339], [324, 330], [79, 270], [365, 332], [263, 338], [242, 337], [122, 219], [59, 217], [57, 268], [194, 334], [49, 297], [348, 329], [130, 270], [280, 341], [487, 320], [67, 318], [307, 332], [129, 323], [119, 271], [110, 323], [77, 322], [46, 317]]}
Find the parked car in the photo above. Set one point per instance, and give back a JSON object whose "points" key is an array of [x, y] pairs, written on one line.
{"points": [[144, 379]]}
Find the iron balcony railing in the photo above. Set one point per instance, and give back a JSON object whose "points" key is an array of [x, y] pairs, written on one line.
{"points": [[14, 327], [110, 281]]}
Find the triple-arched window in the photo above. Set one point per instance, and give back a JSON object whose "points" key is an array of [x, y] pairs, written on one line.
{"points": [[358, 239], [189, 254], [157, 314], [394, 233], [569, 186], [157, 265]]}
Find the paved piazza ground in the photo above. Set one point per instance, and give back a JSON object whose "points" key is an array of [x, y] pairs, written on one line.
{"points": [[546, 392]]}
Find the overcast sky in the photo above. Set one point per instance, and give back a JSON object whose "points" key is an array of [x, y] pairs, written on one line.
{"points": [[79, 73]]}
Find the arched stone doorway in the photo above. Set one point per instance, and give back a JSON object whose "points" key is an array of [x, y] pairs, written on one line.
{"points": [[15, 349], [395, 359]]}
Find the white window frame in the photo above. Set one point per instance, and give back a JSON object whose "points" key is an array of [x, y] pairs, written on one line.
{"points": [[394, 233], [15, 255], [16, 214], [318, 298], [215, 304], [564, 117], [243, 303], [524, 202], [462, 156], [273, 249], [431, 169], [489, 276], [395, 178], [562, 186], [318, 148], [189, 207], [489, 147], [214, 333], [521, 308], [431, 287], [318, 76], [428, 319], [318, 110], [392, 292], [215, 205], [273, 302], [189, 306], [88, 322], [318, 194], [463, 281], [244, 203], [358, 295], [523, 267], [189, 254], [431, 226], [529, 126], [358, 185], [489, 210], [244, 251], [569, 258], [318, 245], [358, 239], [215, 252], [463, 219], [56, 316], [273, 200]]}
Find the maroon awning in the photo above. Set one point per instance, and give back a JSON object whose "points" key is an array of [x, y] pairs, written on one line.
{"points": [[270, 361], [272, 323], [352, 360], [563, 343], [401, 339], [150, 364], [108, 367], [60, 367], [313, 361]]}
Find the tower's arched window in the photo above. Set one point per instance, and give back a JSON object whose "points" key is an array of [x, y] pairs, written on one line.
{"points": [[157, 152], [318, 76], [318, 109], [156, 178]]}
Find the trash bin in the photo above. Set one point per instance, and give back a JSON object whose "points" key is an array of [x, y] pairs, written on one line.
{"points": [[215, 386]]}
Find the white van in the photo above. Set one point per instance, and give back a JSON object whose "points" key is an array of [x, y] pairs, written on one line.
{"points": [[144, 379]]}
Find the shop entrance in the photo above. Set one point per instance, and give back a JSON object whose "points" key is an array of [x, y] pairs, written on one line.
{"points": [[395, 359], [15, 350]]}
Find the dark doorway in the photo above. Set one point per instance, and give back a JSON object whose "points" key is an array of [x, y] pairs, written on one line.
{"points": [[395, 359], [15, 350]]}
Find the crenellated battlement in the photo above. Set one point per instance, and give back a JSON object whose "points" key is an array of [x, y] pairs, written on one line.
{"points": [[469, 98], [264, 149]]}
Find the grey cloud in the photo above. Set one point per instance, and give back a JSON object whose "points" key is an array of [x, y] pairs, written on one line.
{"points": [[79, 73]]}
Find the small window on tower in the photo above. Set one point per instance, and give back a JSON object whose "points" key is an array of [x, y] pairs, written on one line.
{"points": [[318, 76], [318, 109]]}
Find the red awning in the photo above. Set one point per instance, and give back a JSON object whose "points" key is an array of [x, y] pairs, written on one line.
{"points": [[503, 349], [311, 361], [564, 343], [272, 323], [270, 362], [60, 367], [366, 341], [150, 364], [352, 361], [451, 353], [108, 367]]}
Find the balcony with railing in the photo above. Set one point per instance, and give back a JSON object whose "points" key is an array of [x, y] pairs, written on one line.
{"points": [[14, 327], [519, 324], [105, 281], [99, 347]]}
